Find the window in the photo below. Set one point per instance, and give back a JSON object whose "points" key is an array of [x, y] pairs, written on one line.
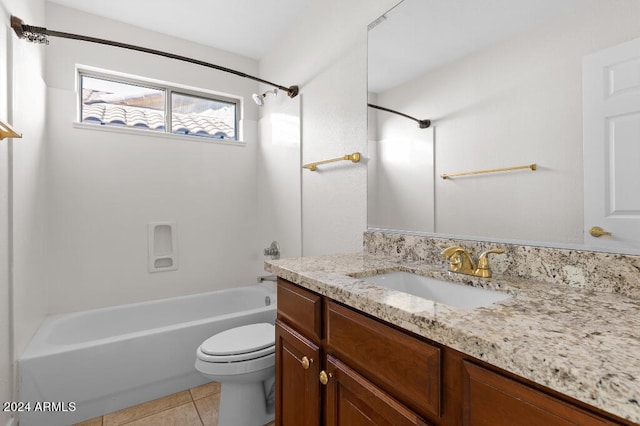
{"points": [[124, 102]]}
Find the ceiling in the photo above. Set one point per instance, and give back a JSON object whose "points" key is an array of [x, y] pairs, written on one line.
{"points": [[245, 27], [416, 36]]}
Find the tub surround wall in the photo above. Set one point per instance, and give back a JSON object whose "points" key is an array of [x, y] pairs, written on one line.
{"points": [[325, 54], [279, 175], [105, 187], [23, 292], [599, 271], [6, 355], [29, 198]]}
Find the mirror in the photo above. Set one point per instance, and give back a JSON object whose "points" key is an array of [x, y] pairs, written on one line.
{"points": [[501, 81]]}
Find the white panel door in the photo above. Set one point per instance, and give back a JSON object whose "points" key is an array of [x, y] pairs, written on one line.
{"points": [[611, 135]]}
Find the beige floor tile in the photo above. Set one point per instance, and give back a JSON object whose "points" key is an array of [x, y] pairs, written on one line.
{"points": [[208, 408], [205, 390], [183, 415], [91, 422], [147, 409]]}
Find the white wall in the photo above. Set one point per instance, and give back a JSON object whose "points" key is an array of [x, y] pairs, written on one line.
{"points": [[481, 123], [325, 54], [401, 179], [29, 198], [6, 355], [22, 200], [104, 187], [279, 175]]}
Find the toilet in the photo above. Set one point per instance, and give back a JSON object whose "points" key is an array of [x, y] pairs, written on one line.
{"points": [[242, 359]]}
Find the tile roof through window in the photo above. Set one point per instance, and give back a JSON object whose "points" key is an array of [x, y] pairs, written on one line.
{"points": [[208, 123]]}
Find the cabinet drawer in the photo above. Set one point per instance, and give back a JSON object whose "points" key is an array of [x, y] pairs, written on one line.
{"points": [[490, 398], [300, 308], [352, 400], [404, 366]]}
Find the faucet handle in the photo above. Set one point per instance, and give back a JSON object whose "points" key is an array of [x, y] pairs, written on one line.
{"points": [[273, 250], [450, 251], [452, 254], [460, 260], [483, 270]]}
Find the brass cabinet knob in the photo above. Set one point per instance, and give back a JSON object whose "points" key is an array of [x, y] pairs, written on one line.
{"points": [[324, 377], [306, 362], [598, 232]]}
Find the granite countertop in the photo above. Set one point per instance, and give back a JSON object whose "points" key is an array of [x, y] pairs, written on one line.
{"points": [[582, 343]]}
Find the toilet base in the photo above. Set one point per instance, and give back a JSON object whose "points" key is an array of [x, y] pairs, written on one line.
{"points": [[244, 404]]}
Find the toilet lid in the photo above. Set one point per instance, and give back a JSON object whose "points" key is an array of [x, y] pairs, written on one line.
{"points": [[240, 340]]}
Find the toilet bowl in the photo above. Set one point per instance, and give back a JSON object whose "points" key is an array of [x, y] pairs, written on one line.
{"points": [[242, 359]]}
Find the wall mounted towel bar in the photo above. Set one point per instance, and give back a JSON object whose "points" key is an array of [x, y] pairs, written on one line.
{"points": [[355, 157], [7, 131], [504, 169]]}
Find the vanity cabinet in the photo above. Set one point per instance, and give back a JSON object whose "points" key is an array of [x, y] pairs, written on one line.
{"points": [[353, 400], [297, 372], [298, 335], [336, 366], [339, 369], [405, 367], [490, 398]]}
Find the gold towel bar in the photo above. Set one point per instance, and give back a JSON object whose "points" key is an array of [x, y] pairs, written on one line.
{"points": [[355, 157], [505, 169], [7, 131]]}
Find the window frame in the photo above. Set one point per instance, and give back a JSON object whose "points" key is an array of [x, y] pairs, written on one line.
{"points": [[169, 89]]}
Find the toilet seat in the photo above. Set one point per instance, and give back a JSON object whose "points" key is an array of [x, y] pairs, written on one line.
{"points": [[243, 360], [245, 343]]}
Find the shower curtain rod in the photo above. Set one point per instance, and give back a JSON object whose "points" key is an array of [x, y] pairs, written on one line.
{"points": [[423, 124], [40, 34]]}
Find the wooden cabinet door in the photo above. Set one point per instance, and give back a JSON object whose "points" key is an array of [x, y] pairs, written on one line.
{"points": [[405, 367], [298, 399], [351, 400], [491, 399]]}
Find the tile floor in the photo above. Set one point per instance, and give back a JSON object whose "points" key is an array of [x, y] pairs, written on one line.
{"points": [[193, 407]]}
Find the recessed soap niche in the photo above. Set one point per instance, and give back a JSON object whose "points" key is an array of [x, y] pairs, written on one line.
{"points": [[163, 252]]}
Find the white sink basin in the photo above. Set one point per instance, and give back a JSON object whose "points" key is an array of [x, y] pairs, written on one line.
{"points": [[448, 293]]}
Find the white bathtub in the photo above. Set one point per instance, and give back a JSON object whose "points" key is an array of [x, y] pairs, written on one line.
{"points": [[102, 360]]}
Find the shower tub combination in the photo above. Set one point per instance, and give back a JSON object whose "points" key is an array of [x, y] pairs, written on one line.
{"points": [[102, 360]]}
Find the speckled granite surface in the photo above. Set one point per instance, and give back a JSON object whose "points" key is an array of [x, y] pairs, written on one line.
{"points": [[574, 268], [578, 341]]}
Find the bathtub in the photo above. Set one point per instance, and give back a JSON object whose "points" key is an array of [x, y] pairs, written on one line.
{"points": [[85, 364]]}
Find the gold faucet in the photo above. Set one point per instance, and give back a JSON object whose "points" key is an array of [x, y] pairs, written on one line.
{"points": [[461, 261]]}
